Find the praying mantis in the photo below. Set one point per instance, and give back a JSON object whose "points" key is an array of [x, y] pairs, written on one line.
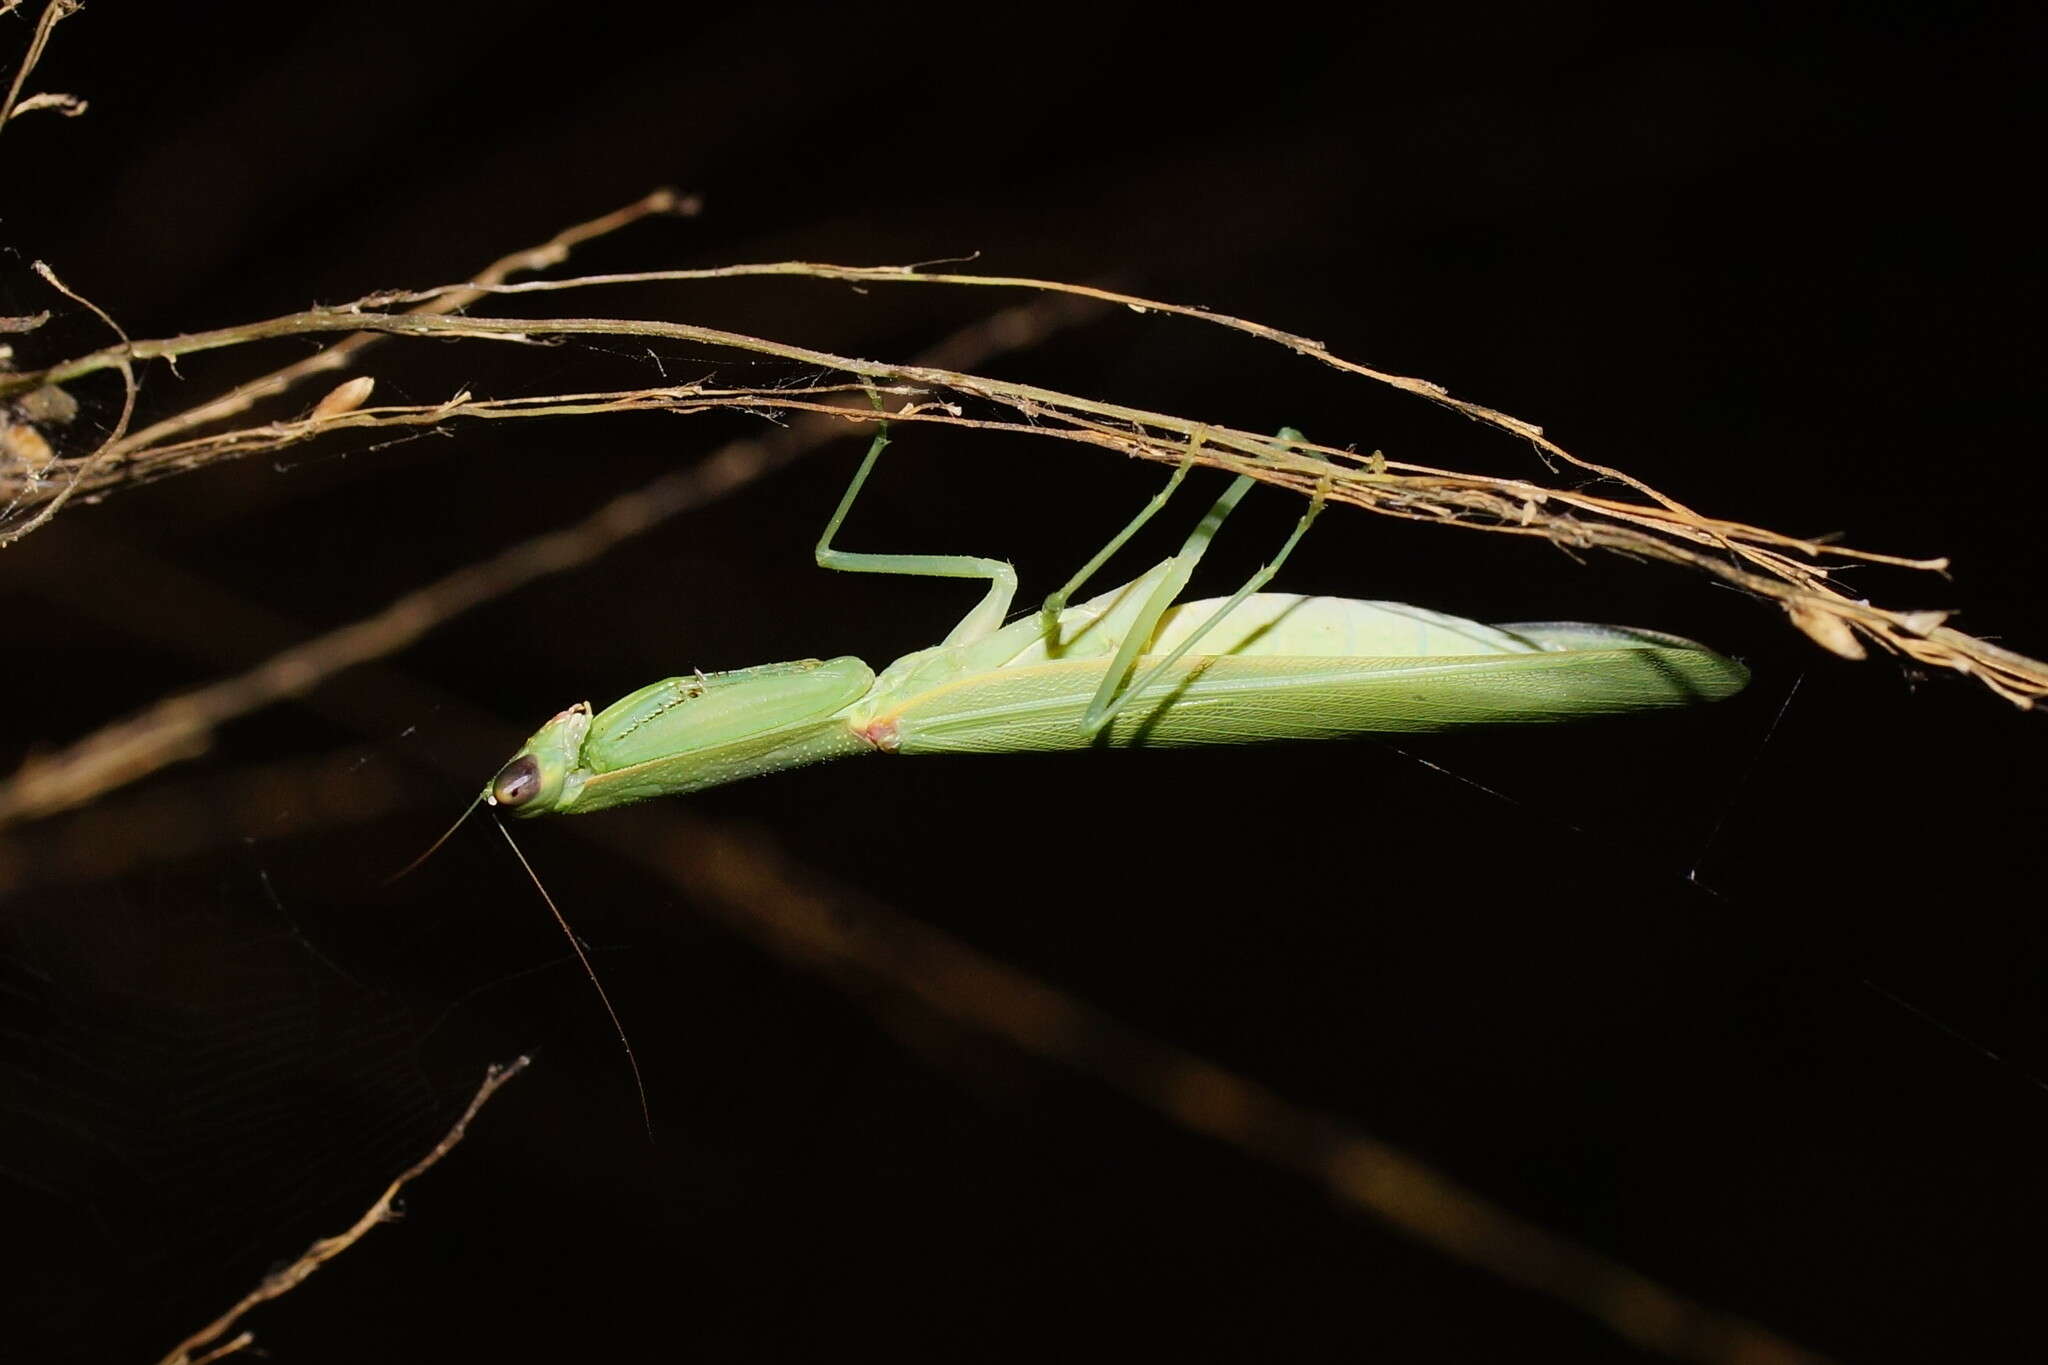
{"points": [[1254, 666]]}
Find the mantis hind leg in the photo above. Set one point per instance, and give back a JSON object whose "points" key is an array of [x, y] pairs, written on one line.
{"points": [[1111, 697], [987, 616]]}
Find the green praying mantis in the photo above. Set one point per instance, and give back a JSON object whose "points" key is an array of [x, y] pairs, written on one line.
{"points": [[1129, 668]]}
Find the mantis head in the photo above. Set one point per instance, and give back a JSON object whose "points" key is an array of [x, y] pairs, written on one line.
{"points": [[532, 783]]}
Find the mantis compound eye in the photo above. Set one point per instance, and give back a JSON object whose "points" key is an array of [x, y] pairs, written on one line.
{"points": [[518, 782]]}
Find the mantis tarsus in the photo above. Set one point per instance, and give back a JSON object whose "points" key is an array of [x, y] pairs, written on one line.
{"points": [[1122, 669]]}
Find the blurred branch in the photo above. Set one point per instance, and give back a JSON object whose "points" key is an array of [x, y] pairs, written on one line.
{"points": [[883, 956], [215, 809], [207, 1340], [754, 889]]}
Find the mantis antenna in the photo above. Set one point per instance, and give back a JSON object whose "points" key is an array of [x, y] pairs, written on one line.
{"points": [[639, 1085], [435, 847]]}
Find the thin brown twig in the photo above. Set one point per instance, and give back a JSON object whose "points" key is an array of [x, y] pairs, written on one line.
{"points": [[452, 298], [1757, 560], [1752, 558], [1030, 400], [241, 442], [1393, 488], [53, 14], [179, 457], [1139, 431], [82, 470], [1301, 345], [281, 1282]]}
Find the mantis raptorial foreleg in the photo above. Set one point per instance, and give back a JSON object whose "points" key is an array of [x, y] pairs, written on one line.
{"points": [[987, 616]]}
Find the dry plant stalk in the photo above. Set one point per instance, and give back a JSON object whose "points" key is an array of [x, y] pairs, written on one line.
{"points": [[13, 105], [1793, 572], [207, 1344]]}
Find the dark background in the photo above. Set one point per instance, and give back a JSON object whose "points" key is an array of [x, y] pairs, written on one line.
{"points": [[1786, 272]]}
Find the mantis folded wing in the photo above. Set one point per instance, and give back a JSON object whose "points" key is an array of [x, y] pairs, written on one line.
{"points": [[1251, 667]]}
